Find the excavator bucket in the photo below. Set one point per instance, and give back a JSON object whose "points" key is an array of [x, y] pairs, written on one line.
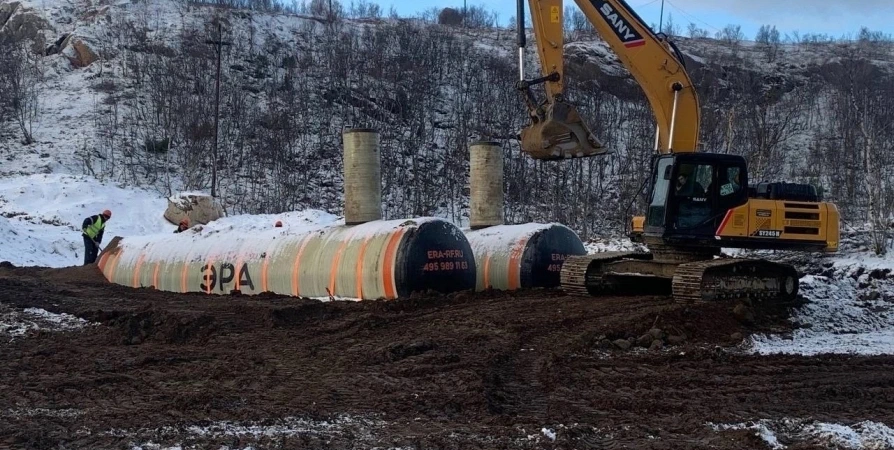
{"points": [[560, 135]]}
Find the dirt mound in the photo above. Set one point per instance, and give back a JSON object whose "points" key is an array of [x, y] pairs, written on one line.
{"points": [[528, 369]]}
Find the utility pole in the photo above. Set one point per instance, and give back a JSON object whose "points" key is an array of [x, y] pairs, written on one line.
{"points": [[661, 17], [219, 43]]}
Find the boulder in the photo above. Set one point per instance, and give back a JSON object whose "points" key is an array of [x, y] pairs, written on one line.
{"points": [[198, 208], [78, 51], [23, 24]]}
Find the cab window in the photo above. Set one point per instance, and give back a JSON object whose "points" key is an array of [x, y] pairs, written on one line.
{"points": [[693, 180], [730, 181]]}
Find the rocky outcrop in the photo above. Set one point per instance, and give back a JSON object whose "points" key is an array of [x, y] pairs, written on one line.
{"points": [[198, 208], [20, 23]]}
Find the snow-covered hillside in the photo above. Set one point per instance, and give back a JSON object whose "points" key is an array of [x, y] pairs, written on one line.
{"points": [[126, 94]]}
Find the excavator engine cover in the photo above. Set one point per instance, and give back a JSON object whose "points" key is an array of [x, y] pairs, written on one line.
{"points": [[561, 134]]}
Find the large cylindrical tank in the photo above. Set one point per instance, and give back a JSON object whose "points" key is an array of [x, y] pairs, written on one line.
{"points": [[511, 257], [485, 184], [379, 259], [363, 180]]}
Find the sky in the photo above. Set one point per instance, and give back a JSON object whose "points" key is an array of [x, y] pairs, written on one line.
{"points": [[833, 17]]}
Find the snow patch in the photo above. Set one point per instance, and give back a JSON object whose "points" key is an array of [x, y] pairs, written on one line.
{"points": [[861, 435], [613, 245], [16, 323], [31, 412], [849, 311], [360, 428]]}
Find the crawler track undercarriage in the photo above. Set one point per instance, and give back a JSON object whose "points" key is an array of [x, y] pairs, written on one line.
{"points": [[688, 276]]}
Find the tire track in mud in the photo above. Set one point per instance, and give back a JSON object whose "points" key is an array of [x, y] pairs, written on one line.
{"points": [[485, 370]]}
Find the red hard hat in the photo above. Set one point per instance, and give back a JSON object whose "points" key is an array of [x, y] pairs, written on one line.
{"points": [[107, 213], [278, 223]]}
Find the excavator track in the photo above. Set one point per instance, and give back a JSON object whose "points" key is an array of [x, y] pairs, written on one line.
{"points": [[728, 278], [582, 275]]}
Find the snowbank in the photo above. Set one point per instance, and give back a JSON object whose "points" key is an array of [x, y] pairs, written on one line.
{"points": [[41, 216], [849, 311]]}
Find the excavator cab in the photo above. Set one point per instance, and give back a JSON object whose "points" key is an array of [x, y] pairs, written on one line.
{"points": [[691, 194], [557, 132]]}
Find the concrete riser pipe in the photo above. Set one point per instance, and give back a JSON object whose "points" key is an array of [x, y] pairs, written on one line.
{"points": [[363, 179], [530, 255], [379, 259], [485, 184]]}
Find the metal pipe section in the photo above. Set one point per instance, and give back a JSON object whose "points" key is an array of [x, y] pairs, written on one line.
{"points": [[485, 184], [510, 257], [670, 140], [363, 185], [373, 260]]}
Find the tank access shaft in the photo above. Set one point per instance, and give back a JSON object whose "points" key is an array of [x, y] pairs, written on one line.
{"points": [[556, 130]]}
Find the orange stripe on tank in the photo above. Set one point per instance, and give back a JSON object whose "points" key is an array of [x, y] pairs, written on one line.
{"points": [[155, 275], [113, 264], [514, 268], [295, 265], [183, 284], [333, 270], [102, 262], [264, 268], [359, 267], [487, 272], [388, 268], [136, 270]]}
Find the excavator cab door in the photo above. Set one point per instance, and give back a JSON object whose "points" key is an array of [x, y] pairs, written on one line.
{"points": [[691, 193]]}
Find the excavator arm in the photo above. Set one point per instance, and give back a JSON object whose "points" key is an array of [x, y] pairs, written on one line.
{"points": [[556, 130]]}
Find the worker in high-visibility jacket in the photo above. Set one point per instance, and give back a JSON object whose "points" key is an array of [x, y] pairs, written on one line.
{"points": [[92, 231]]}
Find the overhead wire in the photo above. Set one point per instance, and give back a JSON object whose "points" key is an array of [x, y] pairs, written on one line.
{"points": [[690, 16], [646, 4]]}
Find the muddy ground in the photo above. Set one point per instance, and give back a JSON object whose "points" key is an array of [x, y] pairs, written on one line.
{"points": [[532, 369]]}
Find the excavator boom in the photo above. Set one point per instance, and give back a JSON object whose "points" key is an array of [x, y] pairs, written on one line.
{"points": [[557, 130]]}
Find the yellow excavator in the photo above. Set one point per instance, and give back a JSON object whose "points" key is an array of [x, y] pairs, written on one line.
{"points": [[699, 202]]}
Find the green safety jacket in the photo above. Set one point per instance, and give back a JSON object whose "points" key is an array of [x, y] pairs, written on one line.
{"points": [[93, 227]]}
